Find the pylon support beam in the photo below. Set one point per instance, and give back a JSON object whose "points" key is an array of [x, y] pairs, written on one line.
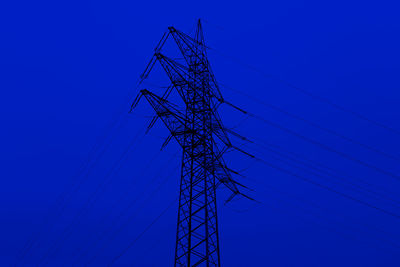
{"points": [[198, 129]]}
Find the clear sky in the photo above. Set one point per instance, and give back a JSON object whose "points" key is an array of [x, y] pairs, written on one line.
{"points": [[68, 75]]}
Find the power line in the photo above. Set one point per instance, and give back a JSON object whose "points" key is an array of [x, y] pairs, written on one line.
{"points": [[328, 188], [122, 197], [311, 123], [142, 233], [324, 186], [328, 168], [90, 201], [286, 195], [353, 185], [129, 220], [308, 93], [102, 235], [34, 239], [325, 147], [290, 154], [68, 193]]}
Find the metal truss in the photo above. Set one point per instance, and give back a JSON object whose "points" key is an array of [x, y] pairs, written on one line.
{"points": [[199, 130]]}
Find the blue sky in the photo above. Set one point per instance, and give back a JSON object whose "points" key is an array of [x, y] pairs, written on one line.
{"points": [[69, 70]]}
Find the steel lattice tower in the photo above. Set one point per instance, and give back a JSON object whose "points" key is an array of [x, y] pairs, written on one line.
{"points": [[204, 140]]}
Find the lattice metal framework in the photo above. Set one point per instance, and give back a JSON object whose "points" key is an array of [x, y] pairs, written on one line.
{"points": [[204, 140]]}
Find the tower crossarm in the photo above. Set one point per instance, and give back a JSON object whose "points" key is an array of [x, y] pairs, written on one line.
{"points": [[174, 120], [190, 47], [180, 78]]}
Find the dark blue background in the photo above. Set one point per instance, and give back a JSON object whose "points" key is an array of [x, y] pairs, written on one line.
{"points": [[68, 70]]}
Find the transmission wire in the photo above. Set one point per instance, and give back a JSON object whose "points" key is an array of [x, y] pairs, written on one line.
{"points": [[66, 196], [353, 185], [283, 170], [319, 214], [311, 123], [34, 239], [114, 223], [142, 233], [325, 147], [320, 165], [132, 216], [308, 93], [90, 201]]}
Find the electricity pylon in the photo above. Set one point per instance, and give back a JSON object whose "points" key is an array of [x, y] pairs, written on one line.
{"points": [[198, 129]]}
